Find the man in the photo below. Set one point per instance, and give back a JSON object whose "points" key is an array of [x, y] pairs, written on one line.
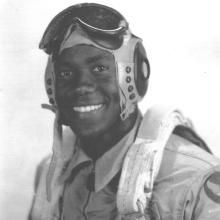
{"points": [[111, 163]]}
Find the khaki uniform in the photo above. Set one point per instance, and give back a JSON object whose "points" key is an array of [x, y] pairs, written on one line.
{"points": [[187, 186]]}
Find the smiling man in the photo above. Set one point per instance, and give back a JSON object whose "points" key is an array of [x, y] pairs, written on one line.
{"points": [[88, 97], [110, 162]]}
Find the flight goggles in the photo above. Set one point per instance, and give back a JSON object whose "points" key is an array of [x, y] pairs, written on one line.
{"points": [[95, 19]]}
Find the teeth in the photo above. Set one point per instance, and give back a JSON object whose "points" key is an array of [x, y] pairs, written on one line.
{"points": [[87, 108]]}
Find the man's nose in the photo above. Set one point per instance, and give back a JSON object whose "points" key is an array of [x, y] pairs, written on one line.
{"points": [[85, 83]]}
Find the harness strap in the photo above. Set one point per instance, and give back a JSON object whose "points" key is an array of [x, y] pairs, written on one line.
{"points": [[142, 161]]}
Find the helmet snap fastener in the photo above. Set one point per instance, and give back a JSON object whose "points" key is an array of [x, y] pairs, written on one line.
{"points": [[128, 69], [132, 96], [49, 91], [51, 101], [130, 88], [128, 79], [49, 81]]}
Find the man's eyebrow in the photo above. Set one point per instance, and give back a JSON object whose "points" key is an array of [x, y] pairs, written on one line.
{"points": [[95, 58]]}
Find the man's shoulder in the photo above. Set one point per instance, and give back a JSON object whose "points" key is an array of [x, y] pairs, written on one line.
{"points": [[185, 159], [183, 171], [180, 152], [45, 162]]}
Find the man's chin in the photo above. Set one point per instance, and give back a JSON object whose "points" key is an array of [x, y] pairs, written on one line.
{"points": [[86, 133]]}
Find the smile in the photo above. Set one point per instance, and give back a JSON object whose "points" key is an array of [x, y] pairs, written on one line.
{"points": [[87, 108]]}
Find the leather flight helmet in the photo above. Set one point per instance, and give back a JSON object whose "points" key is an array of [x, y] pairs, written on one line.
{"points": [[100, 22]]}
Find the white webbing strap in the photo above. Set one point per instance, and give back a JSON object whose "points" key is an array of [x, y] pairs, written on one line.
{"points": [[45, 206], [142, 161]]}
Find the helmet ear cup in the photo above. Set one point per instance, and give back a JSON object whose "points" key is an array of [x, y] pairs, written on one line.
{"points": [[50, 85], [141, 69]]}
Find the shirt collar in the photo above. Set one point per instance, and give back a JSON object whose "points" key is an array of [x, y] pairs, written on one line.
{"points": [[109, 164]]}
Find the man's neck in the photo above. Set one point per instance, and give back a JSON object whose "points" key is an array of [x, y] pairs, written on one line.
{"points": [[95, 147]]}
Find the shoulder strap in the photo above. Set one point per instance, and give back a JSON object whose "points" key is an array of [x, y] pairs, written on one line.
{"points": [[142, 161]]}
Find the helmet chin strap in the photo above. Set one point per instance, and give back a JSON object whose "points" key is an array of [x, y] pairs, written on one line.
{"points": [[57, 147], [49, 107], [62, 153]]}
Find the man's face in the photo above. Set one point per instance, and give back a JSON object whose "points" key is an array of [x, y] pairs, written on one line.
{"points": [[86, 89]]}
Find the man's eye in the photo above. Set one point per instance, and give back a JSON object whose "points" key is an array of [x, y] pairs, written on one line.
{"points": [[100, 68], [65, 74]]}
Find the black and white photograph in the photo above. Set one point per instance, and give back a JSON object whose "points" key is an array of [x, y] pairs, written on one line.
{"points": [[109, 110]]}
